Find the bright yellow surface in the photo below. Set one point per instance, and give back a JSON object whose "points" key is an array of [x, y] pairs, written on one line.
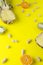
{"points": [[23, 29]]}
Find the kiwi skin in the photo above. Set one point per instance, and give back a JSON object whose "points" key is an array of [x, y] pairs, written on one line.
{"points": [[38, 44]]}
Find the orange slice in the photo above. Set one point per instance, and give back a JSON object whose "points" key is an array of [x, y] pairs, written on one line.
{"points": [[26, 60], [25, 5]]}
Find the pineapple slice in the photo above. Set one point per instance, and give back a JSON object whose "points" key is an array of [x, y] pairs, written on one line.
{"points": [[7, 16], [39, 40]]}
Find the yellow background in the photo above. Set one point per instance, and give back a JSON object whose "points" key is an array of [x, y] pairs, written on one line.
{"points": [[23, 29]]}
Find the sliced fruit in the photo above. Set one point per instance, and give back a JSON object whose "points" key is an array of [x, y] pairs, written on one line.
{"points": [[25, 5], [2, 30], [40, 25], [39, 40], [7, 16], [26, 60]]}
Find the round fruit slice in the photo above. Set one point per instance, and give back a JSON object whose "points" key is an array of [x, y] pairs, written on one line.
{"points": [[25, 5], [26, 60]]}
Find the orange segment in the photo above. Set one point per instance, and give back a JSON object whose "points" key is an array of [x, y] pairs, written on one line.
{"points": [[25, 5], [26, 60]]}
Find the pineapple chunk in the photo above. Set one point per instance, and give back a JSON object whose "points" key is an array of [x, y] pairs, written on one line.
{"points": [[2, 30], [39, 40]]}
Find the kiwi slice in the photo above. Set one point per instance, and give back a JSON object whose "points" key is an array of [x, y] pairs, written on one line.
{"points": [[39, 40]]}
